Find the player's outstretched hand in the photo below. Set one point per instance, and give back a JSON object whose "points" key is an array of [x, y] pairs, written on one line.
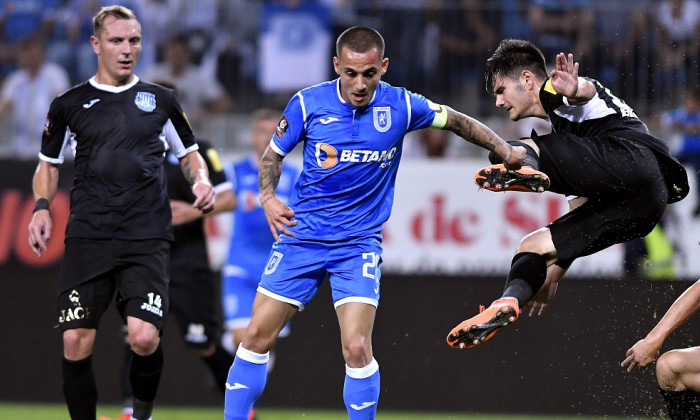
{"points": [[279, 216], [40, 231], [641, 355], [205, 196], [564, 77]]}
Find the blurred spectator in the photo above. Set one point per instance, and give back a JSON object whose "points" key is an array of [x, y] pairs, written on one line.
{"points": [[677, 23], [199, 20], [514, 19], [236, 52], [26, 94], [623, 42], [467, 34], [158, 25], [562, 25], [685, 120], [295, 46], [199, 92], [22, 19]]}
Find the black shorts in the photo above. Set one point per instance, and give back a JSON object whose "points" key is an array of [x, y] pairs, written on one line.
{"points": [[193, 303], [94, 269], [626, 191]]}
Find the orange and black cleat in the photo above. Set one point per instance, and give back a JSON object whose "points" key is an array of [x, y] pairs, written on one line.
{"points": [[499, 178], [482, 327]]}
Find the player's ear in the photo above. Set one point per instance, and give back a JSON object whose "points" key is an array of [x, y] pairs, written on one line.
{"points": [[336, 65], [385, 65]]}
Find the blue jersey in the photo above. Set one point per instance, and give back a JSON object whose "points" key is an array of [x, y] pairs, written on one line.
{"points": [[351, 156], [251, 237]]}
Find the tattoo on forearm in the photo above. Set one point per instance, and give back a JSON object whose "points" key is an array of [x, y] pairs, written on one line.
{"points": [[188, 172], [473, 131], [269, 173]]}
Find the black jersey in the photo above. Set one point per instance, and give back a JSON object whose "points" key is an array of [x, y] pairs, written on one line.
{"points": [[190, 249], [607, 115], [119, 137]]}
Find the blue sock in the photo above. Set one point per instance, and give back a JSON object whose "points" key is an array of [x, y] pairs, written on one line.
{"points": [[361, 391], [245, 383]]}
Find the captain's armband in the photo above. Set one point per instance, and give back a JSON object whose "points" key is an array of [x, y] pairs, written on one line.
{"points": [[440, 118]]}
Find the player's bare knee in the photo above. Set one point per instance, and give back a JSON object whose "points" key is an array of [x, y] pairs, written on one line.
{"points": [[669, 368], [78, 343], [258, 339], [539, 242], [143, 342], [357, 352]]}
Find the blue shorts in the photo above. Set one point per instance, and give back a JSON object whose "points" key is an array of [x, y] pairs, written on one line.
{"points": [[296, 269]]}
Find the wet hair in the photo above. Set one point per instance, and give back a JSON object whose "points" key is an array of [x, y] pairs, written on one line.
{"points": [[360, 39], [118, 12], [512, 57]]}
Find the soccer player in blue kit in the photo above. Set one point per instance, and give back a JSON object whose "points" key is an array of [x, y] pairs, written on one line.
{"points": [[250, 242], [352, 130]]}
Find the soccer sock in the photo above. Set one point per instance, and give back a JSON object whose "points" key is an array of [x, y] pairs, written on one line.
{"points": [[528, 271], [361, 391], [79, 388], [219, 363], [682, 405], [532, 159], [125, 382], [246, 381], [145, 376]]}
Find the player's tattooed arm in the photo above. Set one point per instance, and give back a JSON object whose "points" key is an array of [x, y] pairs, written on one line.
{"points": [[476, 132], [195, 171], [278, 215]]}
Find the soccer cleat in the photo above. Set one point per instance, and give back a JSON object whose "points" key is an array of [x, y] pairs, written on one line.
{"points": [[499, 178], [482, 327]]}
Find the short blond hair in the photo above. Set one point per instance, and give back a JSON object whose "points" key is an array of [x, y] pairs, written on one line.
{"points": [[118, 12]]}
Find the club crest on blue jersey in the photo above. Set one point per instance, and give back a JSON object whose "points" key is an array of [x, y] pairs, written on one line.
{"points": [[145, 101], [382, 118]]}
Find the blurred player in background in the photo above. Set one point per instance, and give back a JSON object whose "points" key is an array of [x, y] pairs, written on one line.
{"points": [[193, 283], [119, 231], [600, 154], [352, 130], [249, 247], [678, 370], [251, 239]]}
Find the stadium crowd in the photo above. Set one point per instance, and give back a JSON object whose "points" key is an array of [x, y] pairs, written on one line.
{"points": [[244, 54]]}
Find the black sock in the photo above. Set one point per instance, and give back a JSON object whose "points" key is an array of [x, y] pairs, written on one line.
{"points": [[528, 271], [219, 364], [79, 388], [125, 380], [682, 405], [145, 376], [532, 160]]}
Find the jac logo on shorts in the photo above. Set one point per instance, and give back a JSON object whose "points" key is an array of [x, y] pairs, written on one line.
{"points": [[76, 311], [273, 262], [153, 305], [145, 101]]}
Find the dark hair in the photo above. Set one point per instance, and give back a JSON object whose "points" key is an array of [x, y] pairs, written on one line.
{"points": [[360, 39], [265, 114], [118, 12], [512, 57]]}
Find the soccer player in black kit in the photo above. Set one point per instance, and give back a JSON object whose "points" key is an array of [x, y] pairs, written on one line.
{"points": [[600, 154], [193, 286], [119, 231]]}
